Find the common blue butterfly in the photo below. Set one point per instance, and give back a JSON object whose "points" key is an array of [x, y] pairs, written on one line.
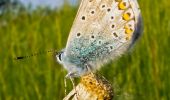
{"points": [[102, 31]]}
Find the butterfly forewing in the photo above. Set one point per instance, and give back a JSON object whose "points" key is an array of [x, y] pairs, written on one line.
{"points": [[102, 30]]}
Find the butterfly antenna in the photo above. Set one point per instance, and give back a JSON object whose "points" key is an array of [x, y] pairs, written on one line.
{"points": [[65, 86], [35, 54]]}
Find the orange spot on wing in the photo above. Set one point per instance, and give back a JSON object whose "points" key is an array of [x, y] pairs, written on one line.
{"points": [[122, 5]]}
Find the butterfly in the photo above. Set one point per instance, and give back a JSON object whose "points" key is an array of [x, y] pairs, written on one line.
{"points": [[102, 31]]}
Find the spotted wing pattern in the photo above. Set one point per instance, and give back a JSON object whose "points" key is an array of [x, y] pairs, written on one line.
{"points": [[103, 30]]}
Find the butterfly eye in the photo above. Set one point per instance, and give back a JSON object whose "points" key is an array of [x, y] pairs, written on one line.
{"points": [[59, 57]]}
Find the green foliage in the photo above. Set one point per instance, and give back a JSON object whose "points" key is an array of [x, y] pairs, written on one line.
{"points": [[142, 74]]}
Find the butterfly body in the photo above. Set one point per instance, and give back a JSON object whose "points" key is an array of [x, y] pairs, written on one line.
{"points": [[102, 31]]}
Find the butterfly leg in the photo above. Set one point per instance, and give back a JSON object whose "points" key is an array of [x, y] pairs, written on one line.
{"points": [[71, 75], [73, 83], [65, 86], [89, 68]]}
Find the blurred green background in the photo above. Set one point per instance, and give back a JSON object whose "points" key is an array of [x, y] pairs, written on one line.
{"points": [[143, 74]]}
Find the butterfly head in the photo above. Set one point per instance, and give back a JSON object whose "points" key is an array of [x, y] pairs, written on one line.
{"points": [[59, 57], [74, 67]]}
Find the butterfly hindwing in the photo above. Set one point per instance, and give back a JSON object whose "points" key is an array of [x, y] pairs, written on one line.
{"points": [[102, 30]]}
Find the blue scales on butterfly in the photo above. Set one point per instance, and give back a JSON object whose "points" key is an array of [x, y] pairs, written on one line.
{"points": [[103, 30]]}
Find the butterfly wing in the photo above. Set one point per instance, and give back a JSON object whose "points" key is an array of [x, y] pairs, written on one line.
{"points": [[103, 30]]}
